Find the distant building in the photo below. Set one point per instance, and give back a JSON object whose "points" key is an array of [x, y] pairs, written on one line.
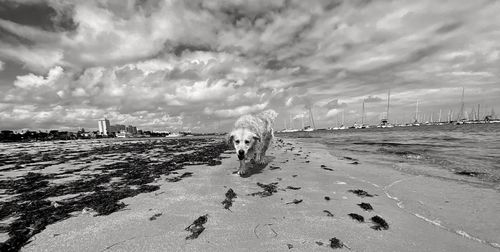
{"points": [[104, 127], [119, 127], [131, 129]]}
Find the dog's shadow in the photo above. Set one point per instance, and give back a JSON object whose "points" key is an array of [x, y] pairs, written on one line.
{"points": [[256, 168]]}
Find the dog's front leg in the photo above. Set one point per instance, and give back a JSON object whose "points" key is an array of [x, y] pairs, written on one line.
{"points": [[242, 170]]}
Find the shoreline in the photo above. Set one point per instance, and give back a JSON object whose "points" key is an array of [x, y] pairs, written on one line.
{"points": [[281, 207], [428, 197]]}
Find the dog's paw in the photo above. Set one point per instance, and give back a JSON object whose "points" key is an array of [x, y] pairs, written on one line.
{"points": [[242, 173]]}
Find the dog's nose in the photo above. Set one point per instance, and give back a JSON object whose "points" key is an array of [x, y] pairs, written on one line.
{"points": [[241, 152]]}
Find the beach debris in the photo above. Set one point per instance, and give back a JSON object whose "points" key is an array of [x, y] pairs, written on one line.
{"points": [[290, 246], [295, 201], [327, 198], [328, 213], [357, 217], [155, 216], [350, 158], [196, 228], [469, 173], [272, 167], [269, 189], [293, 187], [319, 243], [355, 163], [322, 166], [335, 243], [294, 175], [361, 193], [379, 223], [307, 161], [228, 202], [366, 206], [328, 169]]}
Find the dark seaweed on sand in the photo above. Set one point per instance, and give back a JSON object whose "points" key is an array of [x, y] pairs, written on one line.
{"points": [[336, 243], [269, 189], [366, 206], [293, 187], [361, 193], [357, 217], [328, 213], [295, 201], [272, 167], [328, 169], [379, 223], [469, 173], [31, 210], [196, 228], [327, 198], [155, 216], [228, 201]]}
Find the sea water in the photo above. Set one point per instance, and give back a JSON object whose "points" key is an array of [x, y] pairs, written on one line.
{"points": [[469, 152]]}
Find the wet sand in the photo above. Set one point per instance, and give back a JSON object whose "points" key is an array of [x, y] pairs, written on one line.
{"points": [[305, 199]]}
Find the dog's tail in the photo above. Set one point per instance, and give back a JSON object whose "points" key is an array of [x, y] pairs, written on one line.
{"points": [[269, 115]]}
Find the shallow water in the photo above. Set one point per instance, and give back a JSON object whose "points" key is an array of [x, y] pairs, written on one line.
{"points": [[473, 150]]}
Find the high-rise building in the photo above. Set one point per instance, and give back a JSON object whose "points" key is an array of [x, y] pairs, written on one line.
{"points": [[104, 127]]}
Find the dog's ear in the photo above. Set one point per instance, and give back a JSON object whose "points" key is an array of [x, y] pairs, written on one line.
{"points": [[257, 138], [229, 138]]}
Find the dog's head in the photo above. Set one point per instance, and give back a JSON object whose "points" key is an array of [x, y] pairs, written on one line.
{"points": [[243, 140]]}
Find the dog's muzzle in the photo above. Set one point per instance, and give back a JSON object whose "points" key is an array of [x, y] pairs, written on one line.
{"points": [[241, 154]]}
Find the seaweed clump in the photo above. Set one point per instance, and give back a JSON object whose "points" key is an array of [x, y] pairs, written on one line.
{"points": [[328, 213], [228, 202], [379, 223], [102, 191], [357, 217], [196, 228], [366, 206], [361, 193], [335, 243], [269, 189], [295, 201]]}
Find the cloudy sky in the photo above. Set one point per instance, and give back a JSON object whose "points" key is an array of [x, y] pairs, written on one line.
{"points": [[171, 65]]}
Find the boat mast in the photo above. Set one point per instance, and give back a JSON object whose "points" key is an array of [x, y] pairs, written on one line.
{"points": [[363, 114], [302, 121], [312, 118], [416, 113], [478, 117], [388, 102], [439, 115], [461, 113]]}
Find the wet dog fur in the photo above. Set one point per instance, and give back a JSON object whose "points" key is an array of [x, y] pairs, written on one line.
{"points": [[251, 137]]}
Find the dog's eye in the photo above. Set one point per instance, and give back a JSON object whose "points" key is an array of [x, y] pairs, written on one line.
{"points": [[237, 141], [247, 142]]}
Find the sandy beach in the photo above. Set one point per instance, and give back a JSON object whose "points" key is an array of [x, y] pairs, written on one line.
{"points": [[304, 199]]}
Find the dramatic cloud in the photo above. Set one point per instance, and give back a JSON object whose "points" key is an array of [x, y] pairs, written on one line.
{"points": [[177, 65]]}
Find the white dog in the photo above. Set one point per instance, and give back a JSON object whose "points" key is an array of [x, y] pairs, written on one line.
{"points": [[251, 136]]}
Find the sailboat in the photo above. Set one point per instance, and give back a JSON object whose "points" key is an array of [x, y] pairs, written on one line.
{"points": [[384, 123], [416, 123], [311, 120], [460, 119]]}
